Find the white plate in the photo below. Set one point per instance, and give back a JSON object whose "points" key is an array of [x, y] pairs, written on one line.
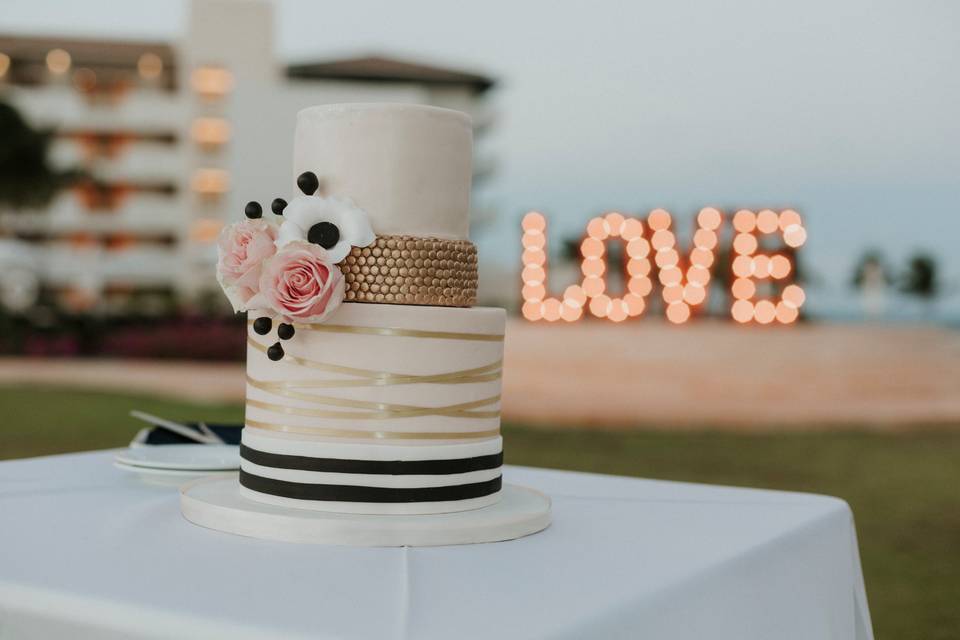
{"points": [[169, 477], [183, 457]]}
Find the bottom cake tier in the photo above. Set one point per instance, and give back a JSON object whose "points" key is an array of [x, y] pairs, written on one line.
{"points": [[387, 409]]}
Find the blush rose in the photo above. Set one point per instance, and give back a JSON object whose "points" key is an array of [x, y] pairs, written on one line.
{"points": [[241, 250], [300, 283]]}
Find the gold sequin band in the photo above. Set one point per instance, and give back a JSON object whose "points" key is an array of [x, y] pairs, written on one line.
{"points": [[411, 270]]}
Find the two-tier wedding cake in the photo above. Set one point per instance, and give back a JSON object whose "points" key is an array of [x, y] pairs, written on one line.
{"points": [[373, 383]]}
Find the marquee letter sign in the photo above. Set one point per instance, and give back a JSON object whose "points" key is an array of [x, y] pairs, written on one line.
{"points": [[684, 280]]}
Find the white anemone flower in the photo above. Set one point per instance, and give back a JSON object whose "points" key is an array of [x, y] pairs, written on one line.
{"points": [[336, 224]]}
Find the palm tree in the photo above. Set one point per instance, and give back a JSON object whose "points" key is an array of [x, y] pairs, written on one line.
{"points": [[921, 280], [26, 177], [921, 277]]}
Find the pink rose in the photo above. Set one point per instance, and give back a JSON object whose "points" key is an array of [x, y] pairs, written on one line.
{"points": [[241, 250], [300, 283]]}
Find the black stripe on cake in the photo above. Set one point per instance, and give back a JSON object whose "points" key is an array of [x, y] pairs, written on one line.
{"points": [[377, 467], [351, 493]]}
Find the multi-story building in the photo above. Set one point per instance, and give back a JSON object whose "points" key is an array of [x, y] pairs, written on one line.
{"points": [[172, 139]]}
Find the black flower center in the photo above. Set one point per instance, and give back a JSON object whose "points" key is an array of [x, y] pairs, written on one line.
{"points": [[325, 234]]}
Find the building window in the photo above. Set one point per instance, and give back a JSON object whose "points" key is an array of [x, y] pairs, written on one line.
{"points": [[205, 230], [149, 66], [210, 133], [58, 61], [210, 183], [211, 83]]}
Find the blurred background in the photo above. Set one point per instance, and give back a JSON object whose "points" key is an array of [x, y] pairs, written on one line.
{"points": [[130, 133]]}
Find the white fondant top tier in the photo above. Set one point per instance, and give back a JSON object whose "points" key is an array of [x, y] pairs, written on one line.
{"points": [[409, 166]]}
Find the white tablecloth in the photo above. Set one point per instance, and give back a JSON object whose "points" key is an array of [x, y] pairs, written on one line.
{"points": [[87, 550]]}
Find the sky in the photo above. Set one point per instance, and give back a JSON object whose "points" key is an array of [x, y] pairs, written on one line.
{"points": [[846, 111]]}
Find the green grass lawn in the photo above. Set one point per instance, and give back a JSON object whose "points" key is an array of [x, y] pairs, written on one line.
{"points": [[903, 488]]}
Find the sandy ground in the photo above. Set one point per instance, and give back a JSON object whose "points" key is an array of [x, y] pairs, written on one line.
{"points": [[650, 374], [722, 375]]}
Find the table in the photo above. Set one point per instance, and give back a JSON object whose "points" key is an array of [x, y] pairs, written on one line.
{"points": [[89, 551]]}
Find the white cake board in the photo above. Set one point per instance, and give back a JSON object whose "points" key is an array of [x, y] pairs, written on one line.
{"points": [[216, 503]]}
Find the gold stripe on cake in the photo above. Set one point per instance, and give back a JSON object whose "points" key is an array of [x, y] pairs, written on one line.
{"points": [[376, 378], [402, 333], [368, 410], [396, 332], [411, 270], [374, 435]]}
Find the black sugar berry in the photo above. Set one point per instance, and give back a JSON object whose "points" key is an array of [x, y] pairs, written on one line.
{"points": [[253, 210], [278, 205], [285, 331], [275, 352], [308, 182], [325, 234], [262, 325]]}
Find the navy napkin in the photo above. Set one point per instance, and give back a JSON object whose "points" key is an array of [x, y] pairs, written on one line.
{"points": [[229, 433]]}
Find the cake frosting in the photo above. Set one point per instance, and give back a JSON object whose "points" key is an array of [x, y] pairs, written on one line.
{"points": [[408, 166], [422, 385], [388, 403]]}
